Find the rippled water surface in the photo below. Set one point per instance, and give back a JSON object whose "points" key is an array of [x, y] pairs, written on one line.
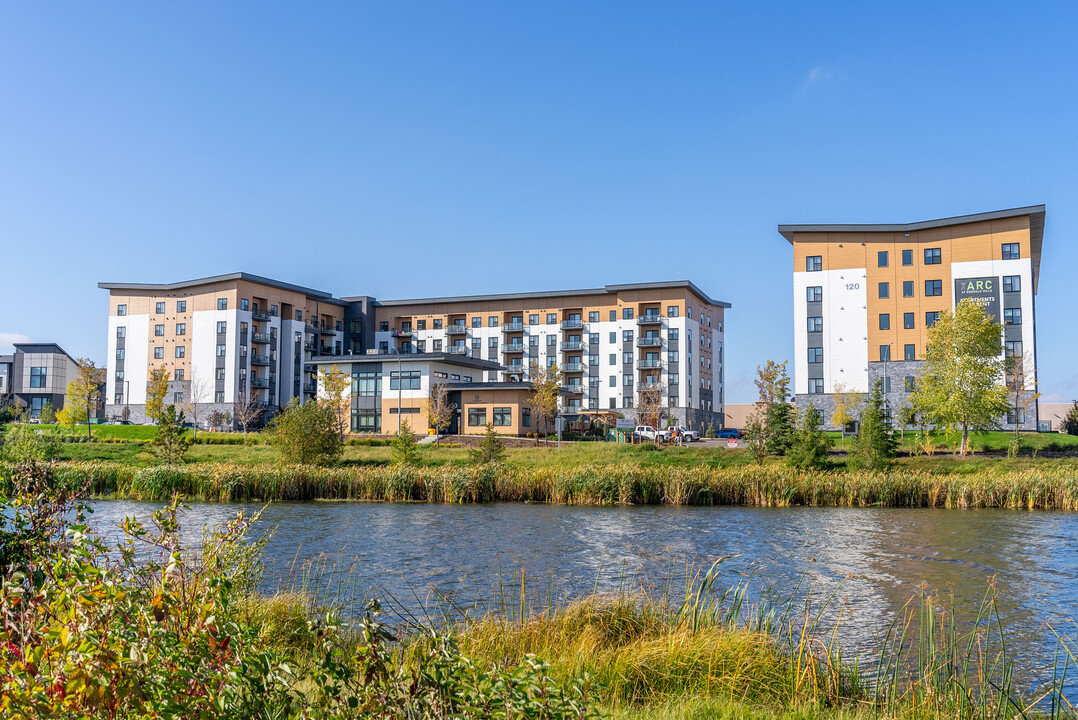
{"points": [[875, 558]]}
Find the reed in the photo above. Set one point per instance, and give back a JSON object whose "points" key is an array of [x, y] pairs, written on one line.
{"points": [[1040, 487]]}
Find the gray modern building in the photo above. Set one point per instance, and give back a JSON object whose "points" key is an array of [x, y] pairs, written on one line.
{"points": [[36, 373]]}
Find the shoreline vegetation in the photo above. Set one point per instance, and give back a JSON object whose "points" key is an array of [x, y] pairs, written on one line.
{"points": [[97, 631]]}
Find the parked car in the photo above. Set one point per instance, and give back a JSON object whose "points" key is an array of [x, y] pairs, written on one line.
{"points": [[690, 435], [647, 432], [729, 433]]}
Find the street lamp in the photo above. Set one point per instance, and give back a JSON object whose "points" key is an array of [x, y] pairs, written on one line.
{"points": [[400, 386]]}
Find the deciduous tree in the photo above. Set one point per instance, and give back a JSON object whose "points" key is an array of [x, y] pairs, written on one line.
{"points": [[546, 389], [651, 407], [961, 385], [156, 392], [306, 434], [336, 385], [84, 392], [1021, 393], [246, 410], [847, 408], [196, 393], [438, 410]]}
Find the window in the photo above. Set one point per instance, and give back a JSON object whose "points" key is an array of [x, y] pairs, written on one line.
{"points": [[121, 310], [119, 374], [613, 381], [885, 353], [221, 374], [383, 326], [627, 358], [551, 340], [613, 358], [476, 343], [907, 288], [672, 311], [406, 380], [526, 417], [118, 399], [910, 383], [593, 359], [243, 351], [1011, 251], [593, 316], [627, 335], [533, 319], [673, 378], [406, 326], [907, 257], [492, 321], [815, 386], [613, 315], [815, 324], [367, 384], [38, 376], [159, 307], [533, 341], [181, 351], [420, 324], [673, 334], [933, 287], [1012, 283], [158, 353], [177, 397], [593, 338], [907, 321], [885, 290], [932, 256], [243, 328], [222, 327], [815, 355], [181, 306], [245, 304], [813, 263], [119, 353], [477, 322], [421, 346], [627, 380], [219, 396], [814, 293], [909, 352], [627, 313], [613, 336], [437, 346], [1015, 418], [1012, 316], [356, 325], [1012, 348], [885, 321], [159, 330], [503, 416], [886, 383], [881, 258], [221, 350], [931, 318], [181, 328], [466, 378], [179, 374], [673, 356], [551, 318], [437, 323], [477, 417], [222, 303]]}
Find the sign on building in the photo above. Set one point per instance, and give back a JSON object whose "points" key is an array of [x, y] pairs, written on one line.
{"points": [[985, 290]]}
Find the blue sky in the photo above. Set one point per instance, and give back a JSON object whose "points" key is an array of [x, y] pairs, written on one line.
{"points": [[414, 149]]}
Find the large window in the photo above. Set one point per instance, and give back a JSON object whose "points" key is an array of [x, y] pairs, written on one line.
{"points": [[933, 256], [181, 306], [814, 263], [366, 384], [181, 328], [222, 303], [815, 386], [158, 353], [933, 287], [881, 258], [815, 324], [159, 307], [179, 374], [368, 420], [38, 376], [593, 316], [477, 322], [492, 321], [503, 416], [815, 355], [815, 293], [245, 304], [1012, 283], [1012, 316], [1011, 251], [181, 351], [406, 380], [477, 417]]}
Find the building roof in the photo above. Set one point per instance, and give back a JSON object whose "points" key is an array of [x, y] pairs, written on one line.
{"points": [[606, 290], [41, 349], [1036, 228], [447, 358], [316, 294]]}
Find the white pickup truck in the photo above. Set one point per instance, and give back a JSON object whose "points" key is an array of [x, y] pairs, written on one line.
{"points": [[689, 435], [646, 432]]}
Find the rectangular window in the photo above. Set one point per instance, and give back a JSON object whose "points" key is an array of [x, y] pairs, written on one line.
{"points": [[477, 417], [885, 321], [672, 311], [222, 303], [813, 263], [221, 374], [881, 258], [159, 330], [37, 377], [627, 335], [121, 310], [492, 321], [815, 386], [815, 293], [613, 381], [437, 346], [593, 360], [907, 257], [673, 334], [406, 380], [219, 396], [627, 358], [907, 321], [910, 383], [177, 397], [477, 322], [551, 318], [1012, 283], [613, 358], [476, 343], [421, 346], [815, 324], [119, 399], [367, 384], [627, 313], [158, 353], [119, 374], [383, 326], [613, 315], [181, 328], [933, 256], [673, 356], [420, 324], [593, 316], [492, 342], [884, 290], [356, 325], [533, 319], [613, 336], [437, 323], [1011, 251], [181, 351], [503, 416], [551, 340], [526, 417], [159, 307], [1012, 316], [907, 288], [627, 380], [909, 352], [533, 341], [593, 338], [221, 350], [181, 306], [815, 355], [119, 353], [179, 374], [222, 327], [931, 318], [933, 287], [245, 304], [885, 353]]}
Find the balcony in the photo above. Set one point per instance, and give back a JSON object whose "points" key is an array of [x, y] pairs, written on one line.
{"points": [[572, 345], [573, 367], [257, 382], [456, 330], [513, 327], [309, 346], [649, 342], [326, 330], [406, 334], [260, 338], [457, 350], [649, 386], [259, 316], [514, 348], [649, 319], [515, 369], [649, 364], [573, 389], [572, 324], [260, 360]]}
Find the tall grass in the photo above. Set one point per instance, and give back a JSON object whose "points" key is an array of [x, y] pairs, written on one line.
{"points": [[1042, 487]]}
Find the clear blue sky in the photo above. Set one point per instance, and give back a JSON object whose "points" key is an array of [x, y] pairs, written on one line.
{"points": [[403, 149]]}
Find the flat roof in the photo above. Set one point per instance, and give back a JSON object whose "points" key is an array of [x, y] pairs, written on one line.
{"points": [[456, 385], [448, 358], [605, 290], [310, 292]]}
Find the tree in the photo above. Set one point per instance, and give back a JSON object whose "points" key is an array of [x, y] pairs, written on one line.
{"points": [[156, 392], [170, 444], [405, 449], [546, 389], [907, 415], [438, 410], [772, 382], [874, 447], [491, 448], [335, 383], [25, 442], [810, 443], [710, 432], [219, 418], [306, 434], [1021, 393], [84, 392], [847, 408], [776, 417], [196, 392], [1070, 421], [48, 413], [67, 419], [651, 408], [961, 379], [246, 410], [755, 438], [779, 422]]}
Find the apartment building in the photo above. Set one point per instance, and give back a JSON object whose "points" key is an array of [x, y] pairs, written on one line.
{"points": [[865, 296], [218, 338], [611, 343], [35, 374]]}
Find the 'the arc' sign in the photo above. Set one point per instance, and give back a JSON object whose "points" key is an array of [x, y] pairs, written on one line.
{"points": [[985, 290]]}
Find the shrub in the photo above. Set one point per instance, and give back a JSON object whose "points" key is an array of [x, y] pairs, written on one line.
{"points": [[48, 413], [306, 434], [405, 448], [491, 448], [874, 447], [170, 445], [810, 443], [24, 443], [710, 432]]}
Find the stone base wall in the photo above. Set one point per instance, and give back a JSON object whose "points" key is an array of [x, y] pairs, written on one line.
{"points": [[137, 414]]}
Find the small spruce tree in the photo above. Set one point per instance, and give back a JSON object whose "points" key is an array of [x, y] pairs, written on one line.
{"points": [[779, 422], [405, 448], [808, 448], [710, 432], [170, 444], [48, 413], [874, 447], [491, 448]]}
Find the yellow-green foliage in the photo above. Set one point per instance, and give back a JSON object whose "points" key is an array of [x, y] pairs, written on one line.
{"points": [[1039, 487]]}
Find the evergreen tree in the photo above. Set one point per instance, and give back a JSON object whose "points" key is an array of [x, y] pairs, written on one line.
{"points": [[810, 443], [710, 432], [779, 422], [170, 444], [405, 448], [874, 447], [1070, 422], [491, 448]]}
